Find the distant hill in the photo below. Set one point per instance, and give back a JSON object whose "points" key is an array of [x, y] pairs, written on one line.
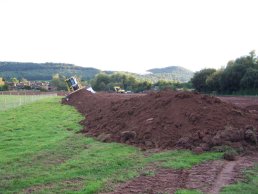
{"points": [[44, 71], [171, 73], [170, 69]]}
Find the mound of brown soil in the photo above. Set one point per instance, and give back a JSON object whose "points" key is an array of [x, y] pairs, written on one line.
{"points": [[166, 120]]}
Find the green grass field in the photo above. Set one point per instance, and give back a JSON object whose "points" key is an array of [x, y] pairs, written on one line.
{"points": [[12, 101], [41, 152]]}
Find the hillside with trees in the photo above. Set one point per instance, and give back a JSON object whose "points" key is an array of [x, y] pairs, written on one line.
{"points": [[239, 77], [172, 74], [44, 71]]}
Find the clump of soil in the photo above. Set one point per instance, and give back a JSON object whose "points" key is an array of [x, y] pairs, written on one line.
{"points": [[166, 120]]}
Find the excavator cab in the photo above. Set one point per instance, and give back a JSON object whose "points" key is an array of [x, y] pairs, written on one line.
{"points": [[118, 89], [72, 84]]}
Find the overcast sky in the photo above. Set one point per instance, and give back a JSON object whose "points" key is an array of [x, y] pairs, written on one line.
{"points": [[128, 35]]}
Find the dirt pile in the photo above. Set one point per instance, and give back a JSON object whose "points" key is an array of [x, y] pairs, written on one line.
{"points": [[166, 120]]}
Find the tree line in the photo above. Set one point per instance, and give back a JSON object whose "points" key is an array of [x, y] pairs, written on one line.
{"points": [[107, 82], [240, 76]]}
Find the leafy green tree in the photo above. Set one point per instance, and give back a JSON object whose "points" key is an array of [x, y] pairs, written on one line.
{"points": [[234, 72], [130, 83], [253, 56], [105, 82], [101, 82], [162, 84], [4, 87], [239, 75], [250, 79], [142, 86], [213, 81], [59, 82], [199, 80], [124, 81], [14, 80]]}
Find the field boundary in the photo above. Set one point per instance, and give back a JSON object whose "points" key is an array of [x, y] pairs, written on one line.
{"points": [[12, 101]]}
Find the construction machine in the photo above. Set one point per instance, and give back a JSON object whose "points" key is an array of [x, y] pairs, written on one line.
{"points": [[72, 84], [118, 89]]}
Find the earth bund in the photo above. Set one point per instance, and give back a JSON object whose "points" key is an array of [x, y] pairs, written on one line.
{"points": [[167, 120]]}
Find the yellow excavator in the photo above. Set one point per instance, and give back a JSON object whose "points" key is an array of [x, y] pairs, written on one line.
{"points": [[72, 84], [119, 90]]}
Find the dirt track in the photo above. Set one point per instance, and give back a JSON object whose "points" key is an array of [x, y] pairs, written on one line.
{"points": [[208, 177], [250, 103]]}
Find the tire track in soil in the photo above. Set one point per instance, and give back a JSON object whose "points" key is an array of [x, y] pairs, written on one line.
{"points": [[223, 178], [231, 172], [208, 177]]}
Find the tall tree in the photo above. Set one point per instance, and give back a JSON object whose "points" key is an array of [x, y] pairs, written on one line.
{"points": [[101, 82], [250, 79], [213, 81], [234, 72], [14, 80], [199, 80], [59, 82]]}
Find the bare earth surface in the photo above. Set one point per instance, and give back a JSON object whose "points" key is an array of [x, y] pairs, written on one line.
{"points": [[165, 120], [249, 102], [170, 120], [208, 177]]}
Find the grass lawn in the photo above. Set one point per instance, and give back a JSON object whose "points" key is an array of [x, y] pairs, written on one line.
{"points": [[184, 191], [12, 101], [41, 152]]}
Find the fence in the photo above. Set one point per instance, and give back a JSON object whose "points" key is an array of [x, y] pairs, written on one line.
{"points": [[12, 100]]}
